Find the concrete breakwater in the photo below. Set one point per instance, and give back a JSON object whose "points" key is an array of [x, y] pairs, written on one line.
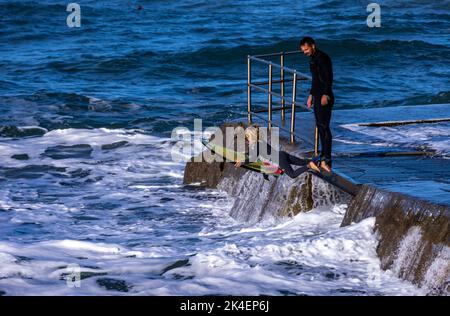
{"points": [[414, 240]]}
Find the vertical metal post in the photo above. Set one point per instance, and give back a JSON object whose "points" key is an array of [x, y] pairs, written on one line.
{"points": [[282, 87], [249, 90], [316, 141], [270, 97], [294, 94]]}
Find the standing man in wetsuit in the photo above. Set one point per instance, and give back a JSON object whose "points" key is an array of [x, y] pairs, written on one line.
{"points": [[321, 95]]}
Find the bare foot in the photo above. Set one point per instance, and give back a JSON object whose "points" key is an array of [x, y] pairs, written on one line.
{"points": [[313, 166], [325, 166]]}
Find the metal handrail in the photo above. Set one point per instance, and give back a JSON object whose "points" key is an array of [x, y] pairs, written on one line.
{"points": [[293, 71], [297, 76], [279, 96], [292, 134], [265, 83], [293, 52], [276, 109]]}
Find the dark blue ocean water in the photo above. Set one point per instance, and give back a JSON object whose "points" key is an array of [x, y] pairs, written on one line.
{"points": [[86, 175], [175, 60]]}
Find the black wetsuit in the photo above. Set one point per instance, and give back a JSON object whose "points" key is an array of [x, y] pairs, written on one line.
{"points": [[322, 84], [285, 160]]}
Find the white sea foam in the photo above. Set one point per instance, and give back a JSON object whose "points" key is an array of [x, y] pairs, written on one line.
{"points": [[125, 219], [435, 136]]}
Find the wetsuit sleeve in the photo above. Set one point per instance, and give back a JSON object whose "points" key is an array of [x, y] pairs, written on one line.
{"points": [[270, 151], [269, 148], [251, 152], [266, 145], [247, 151], [326, 74]]}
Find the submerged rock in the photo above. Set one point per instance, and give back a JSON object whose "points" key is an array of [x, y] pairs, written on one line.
{"points": [[114, 284], [81, 151], [114, 145], [17, 132], [20, 157]]}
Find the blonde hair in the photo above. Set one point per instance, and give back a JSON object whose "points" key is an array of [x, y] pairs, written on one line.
{"points": [[251, 133]]}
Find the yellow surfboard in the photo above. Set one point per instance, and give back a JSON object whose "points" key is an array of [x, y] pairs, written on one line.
{"points": [[233, 156]]}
